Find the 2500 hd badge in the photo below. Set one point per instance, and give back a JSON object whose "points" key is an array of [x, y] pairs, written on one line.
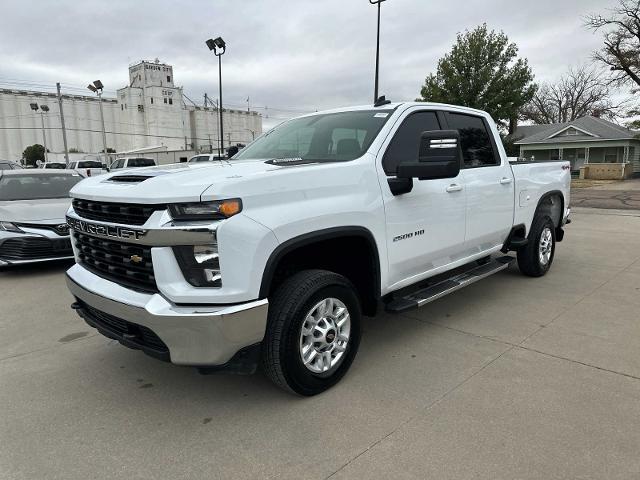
{"points": [[408, 235]]}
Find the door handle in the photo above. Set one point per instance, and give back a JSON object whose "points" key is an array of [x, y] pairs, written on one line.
{"points": [[505, 180], [454, 187]]}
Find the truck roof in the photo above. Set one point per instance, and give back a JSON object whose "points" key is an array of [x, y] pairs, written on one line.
{"points": [[395, 105]]}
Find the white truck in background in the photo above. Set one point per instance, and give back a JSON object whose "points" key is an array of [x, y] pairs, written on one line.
{"points": [[274, 258]]}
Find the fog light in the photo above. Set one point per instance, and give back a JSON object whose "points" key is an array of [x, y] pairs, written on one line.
{"points": [[205, 253], [200, 265]]}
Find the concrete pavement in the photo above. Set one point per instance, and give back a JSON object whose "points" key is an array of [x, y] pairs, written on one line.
{"points": [[512, 377]]}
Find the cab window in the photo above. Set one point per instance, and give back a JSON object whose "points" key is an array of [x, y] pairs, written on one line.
{"points": [[405, 145], [477, 147]]}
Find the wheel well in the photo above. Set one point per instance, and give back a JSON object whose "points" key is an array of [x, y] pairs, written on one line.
{"points": [[354, 256], [552, 203]]}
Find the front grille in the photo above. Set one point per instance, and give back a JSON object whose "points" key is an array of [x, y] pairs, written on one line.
{"points": [[130, 334], [35, 248], [61, 229], [116, 261], [123, 213]]}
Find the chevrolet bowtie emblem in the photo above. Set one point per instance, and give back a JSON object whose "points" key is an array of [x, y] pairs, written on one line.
{"points": [[135, 258]]}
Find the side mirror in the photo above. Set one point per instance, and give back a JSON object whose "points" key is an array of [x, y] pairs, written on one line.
{"points": [[439, 156]]}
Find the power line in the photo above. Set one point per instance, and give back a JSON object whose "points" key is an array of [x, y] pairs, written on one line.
{"points": [[109, 132]]}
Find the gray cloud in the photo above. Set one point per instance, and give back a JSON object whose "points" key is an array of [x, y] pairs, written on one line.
{"points": [[285, 54]]}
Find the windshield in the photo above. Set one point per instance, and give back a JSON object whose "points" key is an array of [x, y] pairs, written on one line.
{"points": [[329, 137], [33, 187]]}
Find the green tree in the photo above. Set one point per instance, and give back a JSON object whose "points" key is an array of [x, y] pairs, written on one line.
{"points": [[482, 71], [32, 154]]}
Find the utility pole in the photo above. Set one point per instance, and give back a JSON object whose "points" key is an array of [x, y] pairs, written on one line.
{"points": [[104, 134], [221, 109], [218, 47], [375, 94], [97, 87], [64, 130], [44, 135]]}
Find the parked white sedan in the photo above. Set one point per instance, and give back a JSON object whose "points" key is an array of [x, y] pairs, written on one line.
{"points": [[33, 204]]}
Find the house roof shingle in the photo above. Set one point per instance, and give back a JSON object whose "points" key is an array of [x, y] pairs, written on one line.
{"points": [[600, 129]]}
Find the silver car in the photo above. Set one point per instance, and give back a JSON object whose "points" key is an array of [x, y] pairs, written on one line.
{"points": [[33, 204]]}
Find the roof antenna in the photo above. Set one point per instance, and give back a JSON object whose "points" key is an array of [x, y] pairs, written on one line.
{"points": [[381, 101]]}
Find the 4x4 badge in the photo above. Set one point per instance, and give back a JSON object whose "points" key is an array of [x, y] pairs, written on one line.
{"points": [[135, 258]]}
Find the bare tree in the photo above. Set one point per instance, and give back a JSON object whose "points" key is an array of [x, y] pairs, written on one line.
{"points": [[580, 92], [621, 51]]}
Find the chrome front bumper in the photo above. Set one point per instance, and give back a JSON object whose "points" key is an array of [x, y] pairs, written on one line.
{"points": [[195, 335]]}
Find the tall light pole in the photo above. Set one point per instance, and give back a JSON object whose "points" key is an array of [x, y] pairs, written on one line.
{"points": [[375, 94], [218, 46], [43, 109], [97, 87]]}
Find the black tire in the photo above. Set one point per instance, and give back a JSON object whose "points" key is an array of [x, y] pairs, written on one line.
{"points": [[288, 308], [529, 260]]}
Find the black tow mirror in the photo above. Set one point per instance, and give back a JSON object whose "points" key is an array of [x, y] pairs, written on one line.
{"points": [[439, 156]]}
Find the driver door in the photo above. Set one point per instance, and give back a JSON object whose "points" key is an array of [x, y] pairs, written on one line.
{"points": [[426, 226]]}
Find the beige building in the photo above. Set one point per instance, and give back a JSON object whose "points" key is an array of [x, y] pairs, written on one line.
{"points": [[150, 111]]}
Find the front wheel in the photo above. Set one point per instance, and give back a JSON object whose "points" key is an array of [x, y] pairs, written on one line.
{"points": [[313, 332], [536, 258]]}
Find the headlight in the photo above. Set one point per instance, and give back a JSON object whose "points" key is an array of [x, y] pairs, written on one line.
{"points": [[10, 227], [206, 210], [200, 265]]}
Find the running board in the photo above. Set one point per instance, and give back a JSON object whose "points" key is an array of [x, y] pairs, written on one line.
{"points": [[449, 285]]}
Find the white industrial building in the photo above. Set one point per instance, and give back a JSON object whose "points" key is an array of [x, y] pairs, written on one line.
{"points": [[149, 112]]}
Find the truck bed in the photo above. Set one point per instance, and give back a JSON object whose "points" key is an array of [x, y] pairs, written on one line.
{"points": [[535, 179]]}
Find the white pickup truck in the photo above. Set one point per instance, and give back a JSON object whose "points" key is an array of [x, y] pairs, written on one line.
{"points": [[274, 258]]}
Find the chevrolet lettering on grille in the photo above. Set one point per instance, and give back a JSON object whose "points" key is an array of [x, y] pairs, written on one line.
{"points": [[106, 231]]}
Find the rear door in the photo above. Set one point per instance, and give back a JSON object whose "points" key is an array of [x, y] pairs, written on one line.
{"points": [[425, 227], [489, 183]]}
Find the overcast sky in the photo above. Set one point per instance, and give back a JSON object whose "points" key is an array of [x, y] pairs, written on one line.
{"points": [[287, 55]]}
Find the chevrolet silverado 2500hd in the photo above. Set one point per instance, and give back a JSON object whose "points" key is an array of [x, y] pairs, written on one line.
{"points": [[274, 257]]}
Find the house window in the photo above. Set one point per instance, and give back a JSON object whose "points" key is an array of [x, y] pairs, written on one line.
{"points": [[165, 99], [121, 107], [141, 108], [171, 101], [168, 78], [571, 132], [151, 100], [610, 155]]}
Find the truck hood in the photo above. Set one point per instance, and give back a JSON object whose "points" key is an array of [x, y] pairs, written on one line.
{"points": [[180, 182], [49, 210]]}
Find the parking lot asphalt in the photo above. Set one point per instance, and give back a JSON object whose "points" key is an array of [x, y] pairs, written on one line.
{"points": [[512, 377], [620, 195]]}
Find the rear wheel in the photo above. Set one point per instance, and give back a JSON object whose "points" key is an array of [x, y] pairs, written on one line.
{"points": [[313, 332], [536, 258]]}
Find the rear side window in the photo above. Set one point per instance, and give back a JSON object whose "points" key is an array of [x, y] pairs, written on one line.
{"points": [[405, 145], [140, 162], [89, 164], [477, 148]]}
